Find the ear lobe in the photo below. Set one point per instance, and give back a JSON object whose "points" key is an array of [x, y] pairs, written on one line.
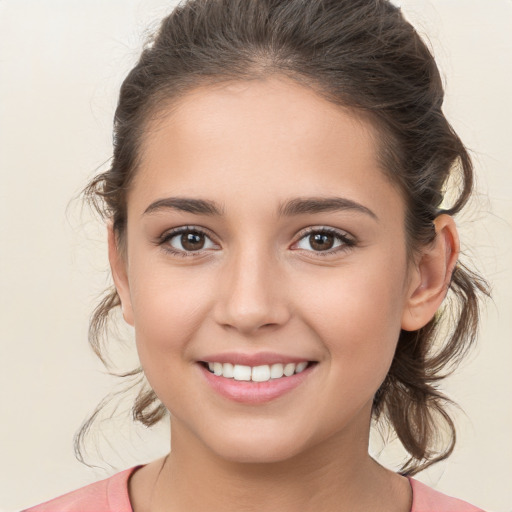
{"points": [[432, 275], [119, 274]]}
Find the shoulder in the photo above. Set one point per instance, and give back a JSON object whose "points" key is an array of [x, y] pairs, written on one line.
{"points": [[426, 499], [108, 495]]}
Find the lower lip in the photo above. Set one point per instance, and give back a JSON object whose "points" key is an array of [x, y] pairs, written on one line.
{"points": [[255, 392]]}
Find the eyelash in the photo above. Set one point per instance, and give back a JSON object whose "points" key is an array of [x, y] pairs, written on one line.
{"points": [[347, 242], [169, 235]]}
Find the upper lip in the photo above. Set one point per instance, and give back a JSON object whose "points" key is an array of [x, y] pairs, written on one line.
{"points": [[256, 359]]}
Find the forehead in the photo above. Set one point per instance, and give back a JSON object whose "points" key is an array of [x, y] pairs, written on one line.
{"points": [[272, 111], [258, 137]]}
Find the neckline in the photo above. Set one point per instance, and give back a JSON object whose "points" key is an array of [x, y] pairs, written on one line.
{"points": [[128, 473]]}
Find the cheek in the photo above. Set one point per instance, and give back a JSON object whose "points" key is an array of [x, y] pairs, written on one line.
{"points": [[168, 311], [167, 307], [358, 317]]}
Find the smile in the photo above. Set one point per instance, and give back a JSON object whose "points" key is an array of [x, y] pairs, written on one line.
{"points": [[255, 382], [261, 373]]}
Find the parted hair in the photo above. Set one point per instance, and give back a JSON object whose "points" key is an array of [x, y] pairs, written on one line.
{"points": [[359, 54]]}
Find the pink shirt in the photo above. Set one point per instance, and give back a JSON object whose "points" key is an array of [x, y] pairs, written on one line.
{"points": [[111, 495]]}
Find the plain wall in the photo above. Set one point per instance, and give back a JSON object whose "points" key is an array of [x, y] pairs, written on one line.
{"points": [[61, 64]]}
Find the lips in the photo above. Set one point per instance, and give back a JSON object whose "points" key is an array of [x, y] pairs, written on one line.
{"points": [[256, 359], [255, 378]]}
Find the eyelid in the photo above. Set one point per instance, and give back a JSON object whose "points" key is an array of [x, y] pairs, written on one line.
{"points": [[348, 240], [171, 233]]}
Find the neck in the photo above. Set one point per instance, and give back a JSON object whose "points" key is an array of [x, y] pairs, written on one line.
{"points": [[336, 475]]}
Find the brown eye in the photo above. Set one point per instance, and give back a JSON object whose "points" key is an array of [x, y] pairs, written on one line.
{"points": [[192, 241], [184, 241], [321, 241], [325, 241]]}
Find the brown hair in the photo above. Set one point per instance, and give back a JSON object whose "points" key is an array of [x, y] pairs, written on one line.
{"points": [[361, 54]]}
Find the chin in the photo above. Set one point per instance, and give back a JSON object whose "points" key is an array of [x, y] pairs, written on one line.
{"points": [[257, 448]]}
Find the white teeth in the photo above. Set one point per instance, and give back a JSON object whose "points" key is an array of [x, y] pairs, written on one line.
{"points": [[241, 372], [217, 368], [260, 373], [227, 370], [289, 369], [276, 371], [301, 367]]}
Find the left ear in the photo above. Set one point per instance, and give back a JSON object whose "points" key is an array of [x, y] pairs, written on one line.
{"points": [[118, 267], [431, 276]]}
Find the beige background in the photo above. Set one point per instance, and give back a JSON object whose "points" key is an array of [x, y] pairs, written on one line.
{"points": [[61, 63]]}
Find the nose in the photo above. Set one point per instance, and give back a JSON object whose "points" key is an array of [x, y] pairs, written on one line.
{"points": [[252, 293]]}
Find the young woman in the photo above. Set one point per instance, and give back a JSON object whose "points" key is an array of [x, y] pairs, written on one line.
{"points": [[279, 240]]}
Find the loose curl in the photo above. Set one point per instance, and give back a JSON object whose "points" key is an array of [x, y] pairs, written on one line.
{"points": [[359, 54]]}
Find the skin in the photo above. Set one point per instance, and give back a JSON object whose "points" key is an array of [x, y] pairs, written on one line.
{"points": [[258, 285]]}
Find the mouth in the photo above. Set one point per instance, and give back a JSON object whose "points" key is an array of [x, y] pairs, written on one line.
{"points": [[260, 373], [256, 384]]}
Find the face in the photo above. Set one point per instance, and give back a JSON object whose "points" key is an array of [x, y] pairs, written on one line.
{"points": [[262, 234]]}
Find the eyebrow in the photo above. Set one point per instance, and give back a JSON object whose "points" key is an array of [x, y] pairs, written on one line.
{"points": [[302, 205], [186, 204], [292, 207]]}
